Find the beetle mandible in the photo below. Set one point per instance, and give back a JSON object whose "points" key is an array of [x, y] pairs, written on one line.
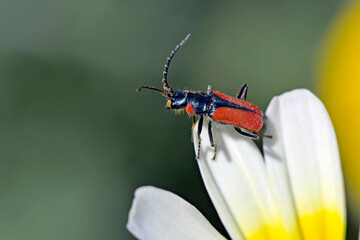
{"points": [[245, 117]]}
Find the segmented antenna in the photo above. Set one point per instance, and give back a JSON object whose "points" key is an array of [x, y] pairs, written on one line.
{"points": [[166, 67], [153, 88]]}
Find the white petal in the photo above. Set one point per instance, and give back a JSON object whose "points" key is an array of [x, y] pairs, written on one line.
{"points": [[238, 185], [157, 214], [303, 162]]}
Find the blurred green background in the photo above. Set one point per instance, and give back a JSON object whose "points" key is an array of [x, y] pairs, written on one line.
{"points": [[77, 140]]}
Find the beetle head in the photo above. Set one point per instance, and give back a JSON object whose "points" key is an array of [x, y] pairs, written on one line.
{"points": [[178, 100]]}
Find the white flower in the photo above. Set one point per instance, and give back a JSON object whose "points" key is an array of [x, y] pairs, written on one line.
{"points": [[296, 192]]}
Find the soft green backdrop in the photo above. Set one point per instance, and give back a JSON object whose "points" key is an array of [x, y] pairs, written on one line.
{"points": [[75, 138]]}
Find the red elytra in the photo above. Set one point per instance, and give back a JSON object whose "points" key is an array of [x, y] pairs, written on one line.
{"points": [[237, 117]]}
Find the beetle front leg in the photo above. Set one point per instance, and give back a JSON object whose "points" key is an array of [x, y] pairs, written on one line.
{"points": [[243, 92], [192, 128], [212, 142], [198, 135]]}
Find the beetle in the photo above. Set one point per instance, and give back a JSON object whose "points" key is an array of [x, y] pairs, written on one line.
{"points": [[245, 117]]}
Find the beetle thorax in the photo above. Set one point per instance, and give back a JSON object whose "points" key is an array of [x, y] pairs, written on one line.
{"points": [[199, 103]]}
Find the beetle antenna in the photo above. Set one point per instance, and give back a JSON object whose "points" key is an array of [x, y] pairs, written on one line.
{"points": [[153, 88], [166, 67]]}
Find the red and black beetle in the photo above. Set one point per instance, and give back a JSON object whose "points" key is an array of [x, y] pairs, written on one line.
{"points": [[247, 118]]}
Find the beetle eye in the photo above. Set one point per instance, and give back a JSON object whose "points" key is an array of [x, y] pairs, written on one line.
{"points": [[168, 104]]}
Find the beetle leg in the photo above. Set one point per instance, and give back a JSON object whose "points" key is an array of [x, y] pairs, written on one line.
{"points": [[212, 142], [192, 128], [201, 119], [247, 134], [263, 129], [243, 92], [209, 88]]}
